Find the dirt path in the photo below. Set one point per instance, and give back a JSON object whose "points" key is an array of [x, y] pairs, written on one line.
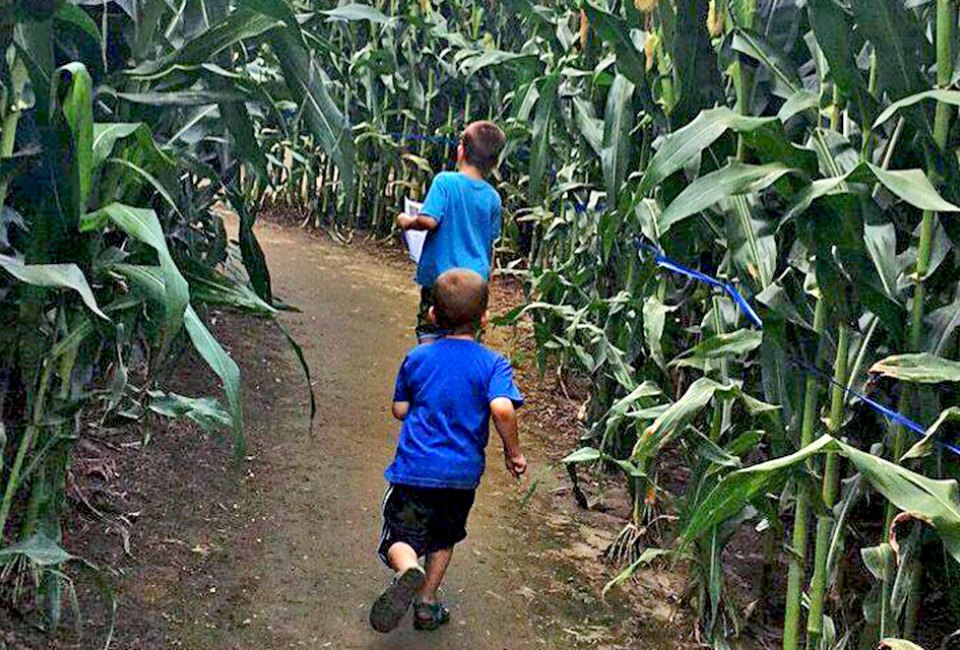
{"points": [[302, 572]]}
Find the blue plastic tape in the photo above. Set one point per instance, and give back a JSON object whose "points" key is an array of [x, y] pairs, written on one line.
{"points": [[436, 139]]}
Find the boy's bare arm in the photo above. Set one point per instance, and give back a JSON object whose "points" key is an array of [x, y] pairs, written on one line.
{"points": [[417, 222], [400, 409], [505, 420]]}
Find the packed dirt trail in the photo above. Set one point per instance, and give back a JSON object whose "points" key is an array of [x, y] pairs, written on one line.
{"points": [[306, 573]]}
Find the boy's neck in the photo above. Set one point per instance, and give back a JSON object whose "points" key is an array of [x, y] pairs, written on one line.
{"points": [[470, 171]]}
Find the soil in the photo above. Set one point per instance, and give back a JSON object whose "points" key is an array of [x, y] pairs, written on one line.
{"points": [[276, 550]]}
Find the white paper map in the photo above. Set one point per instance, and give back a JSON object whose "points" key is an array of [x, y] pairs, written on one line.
{"points": [[414, 238]]}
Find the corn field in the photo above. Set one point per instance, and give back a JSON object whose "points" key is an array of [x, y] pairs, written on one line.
{"points": [[736, 218]]}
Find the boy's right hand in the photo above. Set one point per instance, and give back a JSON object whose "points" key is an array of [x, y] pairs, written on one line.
{"points": [[516, 463]]}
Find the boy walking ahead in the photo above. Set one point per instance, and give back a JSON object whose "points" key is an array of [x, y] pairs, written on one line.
{"points": [[446, 394], [462, 214]]}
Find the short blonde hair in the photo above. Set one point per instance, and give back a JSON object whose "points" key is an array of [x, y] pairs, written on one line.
{"points": [[460, 298]]}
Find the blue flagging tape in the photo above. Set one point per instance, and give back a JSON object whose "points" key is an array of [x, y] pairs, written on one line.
{"points": [[666, 263], [435, 139]]}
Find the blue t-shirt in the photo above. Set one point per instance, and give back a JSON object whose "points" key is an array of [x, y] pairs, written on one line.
{"points": [[449, 385], [469, 213]]}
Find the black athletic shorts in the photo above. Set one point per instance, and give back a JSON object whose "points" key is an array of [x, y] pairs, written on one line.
{"points": [[428, 519], [427, 331]]}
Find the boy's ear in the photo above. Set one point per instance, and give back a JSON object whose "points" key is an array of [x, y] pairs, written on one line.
{"points": [[432, 315], [485, 318], [461, 152]]}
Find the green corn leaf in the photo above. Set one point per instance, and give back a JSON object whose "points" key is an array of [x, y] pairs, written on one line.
{"points": [[240, 25], [205, 411], [210, 287], [308, 86], [951, 97], [35, 42], [144, 226], [239, 128], [833, 33], [898, 644], [253, 258], [913, 186], [648, 556], [934, 502], [225, 368], [618, 121], [800, 101], [542, 122], [356, 11], [736, 490], [682, 413], [717, 347], [897, 40], [787, 83], [53, 276], [71, 14], [40, 550], [77, 107], [727, 181], [937, 503], [681, 146], [921, 368], [910, 185], [877, 559], [184, 97], [654, 319], [491, 58], [582, 455], [698, 80], [591, 127], [614, 29], [162, 190], [106, 136]]}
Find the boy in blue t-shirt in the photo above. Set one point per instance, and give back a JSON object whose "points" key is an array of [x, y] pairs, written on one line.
{"points": [[462, 216], [446, 394]]}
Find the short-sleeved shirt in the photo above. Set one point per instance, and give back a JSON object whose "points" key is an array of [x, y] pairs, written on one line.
{"points": [[449, 385], [469, 214]]}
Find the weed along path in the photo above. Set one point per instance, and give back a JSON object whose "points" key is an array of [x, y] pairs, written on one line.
{"points": [[303, 572]]}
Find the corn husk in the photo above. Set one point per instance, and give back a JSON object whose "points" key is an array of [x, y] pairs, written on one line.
{"points": [[715, 19], [650, 49], [584, 29], [646, 6]]}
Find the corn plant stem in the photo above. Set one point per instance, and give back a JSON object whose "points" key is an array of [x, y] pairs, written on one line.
{"points": [[11, 118], [795, 575], [427, 111], [446, 147], [377, 198], [831, 474], [13, 479], [946, 20]]}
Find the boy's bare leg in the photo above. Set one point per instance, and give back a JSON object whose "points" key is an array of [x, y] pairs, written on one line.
{"points": [[437, 563], [402, 557]]}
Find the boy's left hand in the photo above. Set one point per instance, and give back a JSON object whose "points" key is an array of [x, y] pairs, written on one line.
{"points": [[405, 221], [516, 464]]}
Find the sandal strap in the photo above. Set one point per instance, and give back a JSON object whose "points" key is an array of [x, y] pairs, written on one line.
{"points": [[430, 610]]}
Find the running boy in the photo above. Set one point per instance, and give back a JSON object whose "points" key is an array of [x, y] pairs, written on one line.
{"points": [[462, 214], [446, 394]]}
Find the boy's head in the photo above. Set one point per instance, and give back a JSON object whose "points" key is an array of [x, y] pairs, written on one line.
{"points": [[480, 146], [460, 301]]}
